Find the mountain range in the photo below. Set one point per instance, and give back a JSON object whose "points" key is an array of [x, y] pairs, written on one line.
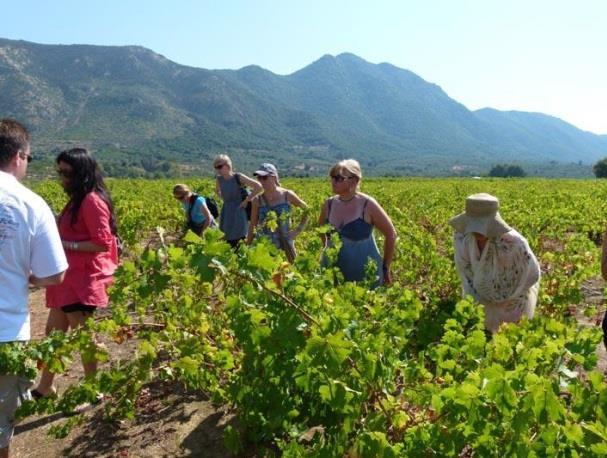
{"points": [[144, 114]]}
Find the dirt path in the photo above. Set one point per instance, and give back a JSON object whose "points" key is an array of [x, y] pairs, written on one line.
{"points": [[593, 296], [169, 422]]}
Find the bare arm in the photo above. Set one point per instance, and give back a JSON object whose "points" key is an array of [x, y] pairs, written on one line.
{"points": [[254, 220], [381, 220], [47, 281], [84, 245], [207, 216], [294, 200], [256, 188], [322, 220], [218, 188]]}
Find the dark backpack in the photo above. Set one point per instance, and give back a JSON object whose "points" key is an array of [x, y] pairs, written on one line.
{"points": [[211, 205], [244, 193]]}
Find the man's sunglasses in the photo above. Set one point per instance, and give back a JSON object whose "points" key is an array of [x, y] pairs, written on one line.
{"points": [[27, 157]]}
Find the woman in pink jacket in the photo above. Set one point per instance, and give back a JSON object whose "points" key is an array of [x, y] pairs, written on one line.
{"points": [[87, 227]]}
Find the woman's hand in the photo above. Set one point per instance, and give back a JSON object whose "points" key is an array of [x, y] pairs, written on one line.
{"points": [[387, 275], [506, 303]]}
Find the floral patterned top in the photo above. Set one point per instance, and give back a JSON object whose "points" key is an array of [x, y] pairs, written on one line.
{"points": [[504, 277]]}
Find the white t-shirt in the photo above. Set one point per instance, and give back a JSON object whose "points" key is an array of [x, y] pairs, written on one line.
{"points": [[29, 244]]}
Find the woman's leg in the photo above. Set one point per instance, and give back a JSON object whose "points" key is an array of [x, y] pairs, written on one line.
{"points": [[76, 320], [57, 320]]}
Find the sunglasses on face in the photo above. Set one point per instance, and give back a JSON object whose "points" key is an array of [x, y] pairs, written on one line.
{"points": [[263, 177], [220, 166], [27, 157], [64, 173], [339, 178]]}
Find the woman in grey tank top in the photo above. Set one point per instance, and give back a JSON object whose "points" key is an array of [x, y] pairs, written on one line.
{"points": [[233, 220]]}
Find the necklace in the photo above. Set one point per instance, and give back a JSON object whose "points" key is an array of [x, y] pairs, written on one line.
{"points": [[347, 200]]}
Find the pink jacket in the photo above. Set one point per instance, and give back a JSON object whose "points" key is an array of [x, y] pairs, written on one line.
{"points": [[88, 274]]}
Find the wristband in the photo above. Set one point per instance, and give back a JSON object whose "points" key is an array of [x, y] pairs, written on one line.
{"points": [[73, 245]]}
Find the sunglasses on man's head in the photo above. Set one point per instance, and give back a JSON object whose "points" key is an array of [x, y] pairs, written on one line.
{"points": [[339, 178]]}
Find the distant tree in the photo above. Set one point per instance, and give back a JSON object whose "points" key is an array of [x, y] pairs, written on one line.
{"points": [[505, 170], [600, 168], [498, 171]]}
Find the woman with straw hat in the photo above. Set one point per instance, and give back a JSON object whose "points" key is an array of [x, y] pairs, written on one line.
{"points": [[496, 266]]}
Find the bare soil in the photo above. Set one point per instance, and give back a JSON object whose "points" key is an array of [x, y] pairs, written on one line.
{"points": [[170, 421], [593, 296]]}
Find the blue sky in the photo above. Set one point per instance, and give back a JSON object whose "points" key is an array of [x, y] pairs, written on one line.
{"points": [[534, 55]]}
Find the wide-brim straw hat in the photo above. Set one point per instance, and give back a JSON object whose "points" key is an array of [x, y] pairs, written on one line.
{"points": [[481, 216]]}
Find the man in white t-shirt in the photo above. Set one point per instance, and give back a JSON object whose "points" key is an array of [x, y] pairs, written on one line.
{"points": [[30, 253]]}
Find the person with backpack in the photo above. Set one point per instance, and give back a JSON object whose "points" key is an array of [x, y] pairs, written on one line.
{"points": [[236, 210], [198, 209]]}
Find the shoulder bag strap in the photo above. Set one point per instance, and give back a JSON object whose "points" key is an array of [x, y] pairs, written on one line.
{"points": [[364, 208], [193, 198], [329, 205]]}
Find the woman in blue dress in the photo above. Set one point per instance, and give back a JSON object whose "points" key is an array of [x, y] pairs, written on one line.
{"points": [[233, 221], [353, 215], [198, 216], [279, 200]]}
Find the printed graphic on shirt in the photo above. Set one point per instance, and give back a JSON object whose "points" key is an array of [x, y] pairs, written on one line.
{"points": [[8, 225]]}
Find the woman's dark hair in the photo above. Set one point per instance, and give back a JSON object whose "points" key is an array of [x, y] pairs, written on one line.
{"points": [[85, 178]]}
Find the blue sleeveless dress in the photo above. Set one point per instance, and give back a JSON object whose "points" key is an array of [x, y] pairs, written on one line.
{"points": [[357, 247], [282, 210]]}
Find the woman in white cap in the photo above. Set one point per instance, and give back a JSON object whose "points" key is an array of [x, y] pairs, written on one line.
{"points": [[354, 215], [278, 200], [496, 266]]}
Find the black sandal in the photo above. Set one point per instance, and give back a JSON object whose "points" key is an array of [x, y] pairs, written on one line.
{"points": [[36, 395]]}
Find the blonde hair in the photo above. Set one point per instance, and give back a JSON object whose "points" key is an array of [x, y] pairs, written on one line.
{"points": [[347, 167], [181, 189], [222, 159]]}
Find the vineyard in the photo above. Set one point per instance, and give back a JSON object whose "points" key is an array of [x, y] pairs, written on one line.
{"points": [[312, 366]]}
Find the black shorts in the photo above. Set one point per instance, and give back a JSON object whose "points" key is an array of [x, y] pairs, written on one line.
{"points": [[235, 243], [78, 308]]}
